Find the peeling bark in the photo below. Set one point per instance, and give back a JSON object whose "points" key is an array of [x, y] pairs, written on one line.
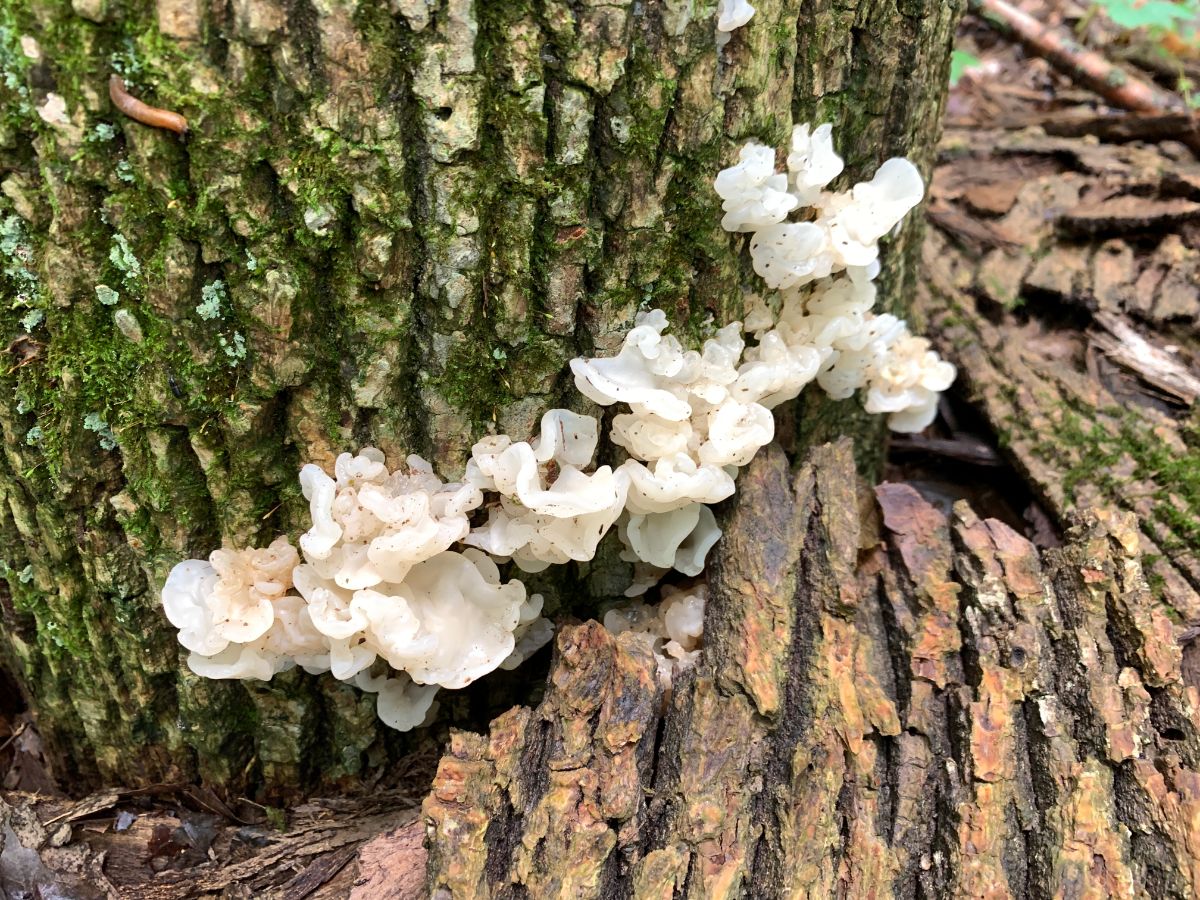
{"points": [[892, 700], [418, 213]]}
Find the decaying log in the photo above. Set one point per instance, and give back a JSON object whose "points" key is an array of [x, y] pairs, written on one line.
{"points": [[404, 218], [891, 699], [1079, 346]]}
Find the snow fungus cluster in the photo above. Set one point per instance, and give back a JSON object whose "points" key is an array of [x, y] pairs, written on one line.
{"points": [[817, 321], [397, 587]]}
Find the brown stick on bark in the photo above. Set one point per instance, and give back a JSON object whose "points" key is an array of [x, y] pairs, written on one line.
{"points": [[892, 701], [1083, 65]]}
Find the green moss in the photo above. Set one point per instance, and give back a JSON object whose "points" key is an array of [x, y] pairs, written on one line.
{"points": [[1176, 476], [475, 380]]}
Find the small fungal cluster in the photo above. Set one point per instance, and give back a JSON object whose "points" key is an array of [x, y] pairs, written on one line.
{"points": [[400, 567], [672, 630], [817, 322]]}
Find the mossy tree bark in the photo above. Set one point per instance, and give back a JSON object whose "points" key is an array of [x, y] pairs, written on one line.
{"points": [[389, 225]]}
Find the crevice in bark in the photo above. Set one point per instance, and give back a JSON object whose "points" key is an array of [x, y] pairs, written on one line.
{"points": [[499, 839], [794, 717], [1150, 848], [1174, 724]]}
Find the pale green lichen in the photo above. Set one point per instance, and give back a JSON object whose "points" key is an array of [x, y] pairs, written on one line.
{"points": [[213, 296], [126, 62], [14, 66], [235, 347], [95, 422], [121, 255], [17, 253], [107, 295], [32, 319]]}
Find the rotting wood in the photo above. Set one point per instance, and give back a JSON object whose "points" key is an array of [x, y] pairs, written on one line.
{"points": [[1088, 416], [1156, 366], [891, 701]]}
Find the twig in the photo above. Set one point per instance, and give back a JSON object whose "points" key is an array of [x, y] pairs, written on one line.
{"points": [[963, 449], [1085, 66], [12, 737]]}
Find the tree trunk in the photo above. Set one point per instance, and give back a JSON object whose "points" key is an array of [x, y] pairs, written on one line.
{"points": [[892, 701], [387, 226]]}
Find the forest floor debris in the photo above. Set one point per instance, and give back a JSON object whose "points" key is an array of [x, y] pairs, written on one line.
{"points": [[162, 844]]}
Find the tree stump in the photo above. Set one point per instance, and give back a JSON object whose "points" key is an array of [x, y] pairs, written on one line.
{"points": [[390, 224]]}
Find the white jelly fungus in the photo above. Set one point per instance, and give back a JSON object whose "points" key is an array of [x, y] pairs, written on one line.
{"points": [[673, 630], [396, 586]]}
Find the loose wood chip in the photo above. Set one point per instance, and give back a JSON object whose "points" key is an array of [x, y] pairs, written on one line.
{"points": [[1121, 343], [392, 866], [318, 872], [86, 807]]}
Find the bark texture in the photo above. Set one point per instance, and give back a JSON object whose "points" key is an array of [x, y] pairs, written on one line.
{"points": [[390, 224], [893, 700], [1063, 279]]}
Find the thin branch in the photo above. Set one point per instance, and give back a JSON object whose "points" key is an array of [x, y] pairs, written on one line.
{"points": [[1085, 66]]}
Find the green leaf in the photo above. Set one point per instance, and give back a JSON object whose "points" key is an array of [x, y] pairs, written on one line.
{"points": [[1151, 14], [960, 61]]}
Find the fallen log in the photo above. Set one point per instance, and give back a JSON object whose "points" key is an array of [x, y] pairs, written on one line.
{"points": [[1079, 350]]}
